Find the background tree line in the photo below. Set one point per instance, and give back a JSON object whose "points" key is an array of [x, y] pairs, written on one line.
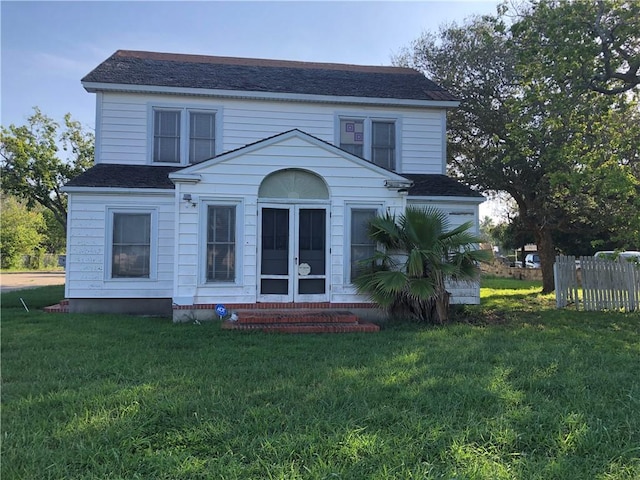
{"points": [[37, 159], [548, 114]]}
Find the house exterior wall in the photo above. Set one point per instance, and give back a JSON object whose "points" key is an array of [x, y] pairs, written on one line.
{"points": [[88, 245], [459, 211], [124, 123], [178, 227], [242, 178]]}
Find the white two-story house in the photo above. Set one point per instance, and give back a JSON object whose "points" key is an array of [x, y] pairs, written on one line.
{"points": [[249, 182]]}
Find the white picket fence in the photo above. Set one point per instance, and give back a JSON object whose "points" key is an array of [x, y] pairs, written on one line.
{"points": [[601, 284]]}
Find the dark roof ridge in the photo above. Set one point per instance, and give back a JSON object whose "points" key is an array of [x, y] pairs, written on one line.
{"points": [[260, 62]]}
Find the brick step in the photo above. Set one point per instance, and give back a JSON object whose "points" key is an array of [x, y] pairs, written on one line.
{"points": [[295, 316], [304, 328], [62, 307], [299, 321]]}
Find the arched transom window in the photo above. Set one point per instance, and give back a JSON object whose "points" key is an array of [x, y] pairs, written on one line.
{"points": [[293, 183]]}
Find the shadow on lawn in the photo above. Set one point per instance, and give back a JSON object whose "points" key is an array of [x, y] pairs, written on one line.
{"points": [[498, 308], [505, 403], [112, 396]]}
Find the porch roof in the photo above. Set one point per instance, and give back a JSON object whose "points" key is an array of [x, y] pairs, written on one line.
{"points": [[108, 175], [113, 175], [431, 185]]}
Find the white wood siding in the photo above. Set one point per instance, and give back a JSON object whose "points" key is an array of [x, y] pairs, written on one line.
{"points": [[346, 181], [87, 247], [123, 134], [181, 233], [423, 140], [459, 213], [124, 131]]}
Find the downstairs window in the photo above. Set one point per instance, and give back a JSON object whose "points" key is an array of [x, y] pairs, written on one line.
{"points": [[221, 243], [131, 245]]}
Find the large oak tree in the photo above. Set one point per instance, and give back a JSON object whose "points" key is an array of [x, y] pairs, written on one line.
{"points": [[530, 125], [595, 44]]}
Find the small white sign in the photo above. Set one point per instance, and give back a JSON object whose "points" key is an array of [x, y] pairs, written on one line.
{"points": [[304, 269]]}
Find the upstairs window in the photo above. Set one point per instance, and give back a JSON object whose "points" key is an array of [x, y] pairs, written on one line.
{"points": [[166, 136], [182, 135], [383, 144], [372, 139], [202, 136], [352, 136]]}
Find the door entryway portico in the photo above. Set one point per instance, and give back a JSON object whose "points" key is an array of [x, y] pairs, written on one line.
{"points": [[293, 239]]}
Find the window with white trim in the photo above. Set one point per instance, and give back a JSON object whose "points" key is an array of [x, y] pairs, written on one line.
{"points": [[370, 138], [362, 246], [166, 136], [202, 136], [131, 245], [183, 135], [221, 243], [352, 136], [383, 144]]}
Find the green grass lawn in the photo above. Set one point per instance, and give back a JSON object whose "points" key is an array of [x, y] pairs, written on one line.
{"points": [[516, 390]]}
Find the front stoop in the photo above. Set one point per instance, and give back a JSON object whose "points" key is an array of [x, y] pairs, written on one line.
{"points": [[299, 321], [62, 307]]}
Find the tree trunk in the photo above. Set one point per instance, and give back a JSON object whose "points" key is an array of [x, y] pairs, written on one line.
{"points": [[547, 253], [442, 307], [441, 299]]}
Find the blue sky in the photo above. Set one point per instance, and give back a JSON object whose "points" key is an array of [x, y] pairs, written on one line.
{"points": [[48, 46]]}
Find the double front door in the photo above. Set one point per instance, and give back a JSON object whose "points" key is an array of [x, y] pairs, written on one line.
{"points": [[293, 253]]}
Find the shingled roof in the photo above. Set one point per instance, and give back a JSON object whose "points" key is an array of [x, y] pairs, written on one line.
{"points": [[428, 185], [108, 175], [126, 67], [111, 175]]}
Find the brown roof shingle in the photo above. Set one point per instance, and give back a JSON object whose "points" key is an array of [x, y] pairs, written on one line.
{"points": [[260, 75], [108, 175], [433, 185]]}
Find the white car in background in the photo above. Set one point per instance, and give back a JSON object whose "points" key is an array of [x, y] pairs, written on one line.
{"points": [[629, 255], [532, 260]]}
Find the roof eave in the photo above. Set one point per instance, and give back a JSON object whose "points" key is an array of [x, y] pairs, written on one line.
{"points": [[119, 190], [457, 198], [94, 87]]}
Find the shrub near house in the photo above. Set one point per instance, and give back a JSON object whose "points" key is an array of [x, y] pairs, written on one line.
{"points": [[432, 257]]}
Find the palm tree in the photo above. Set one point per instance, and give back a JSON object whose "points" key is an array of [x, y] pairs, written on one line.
{"points": [[419, 254]]}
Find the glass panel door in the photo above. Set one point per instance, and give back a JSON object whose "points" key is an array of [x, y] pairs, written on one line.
{"points": [[312, 259], [274, 269], [293, 254]]}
